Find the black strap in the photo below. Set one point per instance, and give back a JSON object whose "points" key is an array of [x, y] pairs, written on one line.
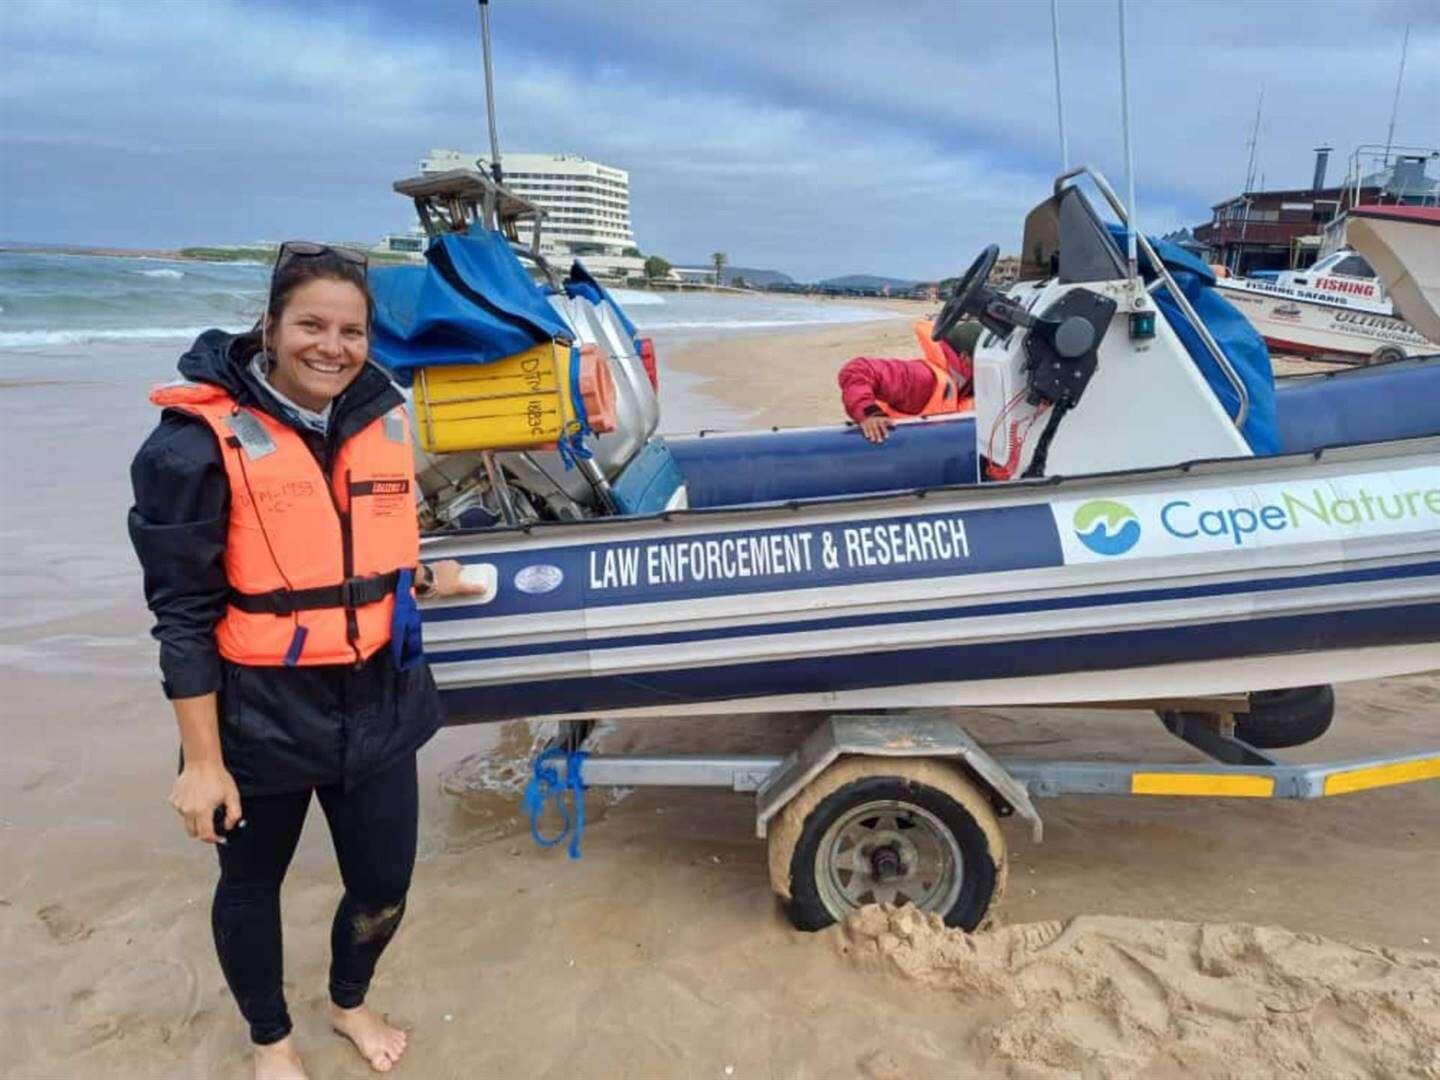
{"points": [[352, 593]]}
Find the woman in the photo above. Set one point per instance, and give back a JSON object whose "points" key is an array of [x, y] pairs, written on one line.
{"points": [[275, 520]]}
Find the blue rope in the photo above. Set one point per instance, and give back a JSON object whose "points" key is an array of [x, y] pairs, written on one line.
{"points": [[571, 446], [545, 785], [571, 443]]}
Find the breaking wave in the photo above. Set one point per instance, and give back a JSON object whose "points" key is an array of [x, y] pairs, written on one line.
{"points": [[34, 339]]}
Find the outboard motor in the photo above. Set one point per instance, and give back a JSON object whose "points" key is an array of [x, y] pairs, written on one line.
{"points": [[530, 402]]}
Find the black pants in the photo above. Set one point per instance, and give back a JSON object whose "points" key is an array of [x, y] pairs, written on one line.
{"points": [[373, 827]]}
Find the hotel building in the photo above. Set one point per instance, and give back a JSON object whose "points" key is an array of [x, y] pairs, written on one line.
{"points": [[586, 204]]}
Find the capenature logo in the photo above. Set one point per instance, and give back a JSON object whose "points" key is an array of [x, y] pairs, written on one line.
{"points": [[1107, 527]]}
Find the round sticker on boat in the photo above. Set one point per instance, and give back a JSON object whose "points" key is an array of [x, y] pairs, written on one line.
{"points": [[1107, 527], [539, 579]]}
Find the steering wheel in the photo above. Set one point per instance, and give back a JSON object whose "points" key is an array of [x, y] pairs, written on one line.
{"points": [[967, 292]]}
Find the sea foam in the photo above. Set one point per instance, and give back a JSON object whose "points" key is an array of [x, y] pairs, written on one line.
{"points": [[628, 298], [35, 339]]}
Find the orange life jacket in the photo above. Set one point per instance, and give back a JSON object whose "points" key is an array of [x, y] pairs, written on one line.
{"points": [[312, 561], [949, 395]]}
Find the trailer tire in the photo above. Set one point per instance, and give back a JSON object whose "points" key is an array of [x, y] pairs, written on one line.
{"points": [[1278, 718], [1386, 354], [942, 835], [1283, 718]]}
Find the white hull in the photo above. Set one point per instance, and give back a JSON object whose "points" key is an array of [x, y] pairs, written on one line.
{"points": [[1322, 328], [1196, 679], [1406, 253]]}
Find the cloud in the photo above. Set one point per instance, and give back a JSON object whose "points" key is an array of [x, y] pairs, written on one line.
{"points": [[816, 138]]}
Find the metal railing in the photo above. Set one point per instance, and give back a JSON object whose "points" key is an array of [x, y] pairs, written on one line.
{"points": [[1237, 384]]}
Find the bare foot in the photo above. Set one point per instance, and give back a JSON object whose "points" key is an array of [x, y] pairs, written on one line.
{"points": [[379, 1043], [279, 1061]]}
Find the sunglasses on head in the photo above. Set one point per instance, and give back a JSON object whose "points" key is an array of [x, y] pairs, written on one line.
{"points": [[291, 250]]}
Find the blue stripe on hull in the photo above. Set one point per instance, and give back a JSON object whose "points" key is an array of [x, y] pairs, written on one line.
{"points": [[803, 556], [1054, 603], [1395, 625]]}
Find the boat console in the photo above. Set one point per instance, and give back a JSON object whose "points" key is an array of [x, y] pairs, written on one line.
{"points": [[1080, 371]]}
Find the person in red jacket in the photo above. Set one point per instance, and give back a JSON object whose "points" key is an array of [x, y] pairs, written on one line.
{"points": [[876, 392]]}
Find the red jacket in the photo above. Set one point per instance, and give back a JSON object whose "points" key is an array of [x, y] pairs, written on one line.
{"points": [[904, 385]]}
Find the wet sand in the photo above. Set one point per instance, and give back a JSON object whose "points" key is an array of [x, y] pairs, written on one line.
{"points": [[662, 952]]}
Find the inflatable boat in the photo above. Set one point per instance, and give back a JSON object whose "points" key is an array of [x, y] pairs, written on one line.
{"points": [[1134, 511]]}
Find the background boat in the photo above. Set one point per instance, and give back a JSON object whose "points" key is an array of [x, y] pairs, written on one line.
{"points": [[1301, 323]]}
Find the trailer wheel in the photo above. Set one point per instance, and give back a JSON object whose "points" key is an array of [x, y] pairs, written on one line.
{"points": [[877, 830], [1281, 718], [1386, 354]]}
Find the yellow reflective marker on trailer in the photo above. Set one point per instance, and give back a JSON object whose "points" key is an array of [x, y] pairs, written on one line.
{"points": [[1404, 772], [1213, 784]]}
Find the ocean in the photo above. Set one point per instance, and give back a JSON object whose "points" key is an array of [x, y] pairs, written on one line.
{"points": [[60, 300]]}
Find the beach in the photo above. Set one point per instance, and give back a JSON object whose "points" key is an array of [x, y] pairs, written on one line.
{"points": [[1143, 937]]}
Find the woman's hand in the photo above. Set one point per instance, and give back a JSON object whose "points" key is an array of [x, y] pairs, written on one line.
{"points": [[197, 792], [448, 582]]}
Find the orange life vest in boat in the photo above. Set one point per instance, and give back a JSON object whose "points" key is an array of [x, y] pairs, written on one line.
{"points": [[312, 561], [949, 395]]}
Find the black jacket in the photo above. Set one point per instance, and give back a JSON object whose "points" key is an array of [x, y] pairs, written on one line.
{"points": [[281, 729]]}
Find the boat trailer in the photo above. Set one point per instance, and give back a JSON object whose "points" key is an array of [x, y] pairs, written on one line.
{"points": [[885, 807]]}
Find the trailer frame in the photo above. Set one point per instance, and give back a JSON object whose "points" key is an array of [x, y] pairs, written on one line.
{"points": [[1235, 768]]}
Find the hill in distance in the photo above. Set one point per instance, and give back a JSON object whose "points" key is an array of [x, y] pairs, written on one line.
{"points": [[752, 275]]}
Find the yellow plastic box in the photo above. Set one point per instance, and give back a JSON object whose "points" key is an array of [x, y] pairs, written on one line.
{"points": [[518, 403]]}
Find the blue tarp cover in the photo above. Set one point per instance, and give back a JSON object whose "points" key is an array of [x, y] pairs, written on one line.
{"points": [[470, 304], [1237, 338]]}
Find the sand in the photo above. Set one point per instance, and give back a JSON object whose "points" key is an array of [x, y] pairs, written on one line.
{"points": [[788, 379], [662, 952], [1107, 996]]}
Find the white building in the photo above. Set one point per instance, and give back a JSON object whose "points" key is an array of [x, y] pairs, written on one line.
{"points": [[586, 204]]}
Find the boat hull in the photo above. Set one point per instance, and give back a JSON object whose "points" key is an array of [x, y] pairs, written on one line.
{"points": [[1403, 243], [1322, 328], [1218, 578]]}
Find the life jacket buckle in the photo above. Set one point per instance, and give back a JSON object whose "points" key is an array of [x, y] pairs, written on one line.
{"points": [[350, 593]]}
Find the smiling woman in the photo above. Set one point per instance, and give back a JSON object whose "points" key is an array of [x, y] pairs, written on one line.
{"points": [[315, 331], [275, 520]]}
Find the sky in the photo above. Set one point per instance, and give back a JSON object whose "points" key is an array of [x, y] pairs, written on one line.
{"points": [[817, 137]]}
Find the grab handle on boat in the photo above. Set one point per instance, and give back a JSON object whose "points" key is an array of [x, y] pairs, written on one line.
{"points": [[1237, 384]]}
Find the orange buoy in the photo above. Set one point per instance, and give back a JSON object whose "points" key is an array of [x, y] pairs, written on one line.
{"points": [[597, 390]]}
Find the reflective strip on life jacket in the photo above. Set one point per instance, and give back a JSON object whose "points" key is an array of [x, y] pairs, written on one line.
{"points": [[949, 395], [312, 562]]}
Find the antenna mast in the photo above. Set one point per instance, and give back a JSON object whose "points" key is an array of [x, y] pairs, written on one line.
{"points": [[1059, 94], [1253, 144], [495, 170], [1395, 108], [1249, 186], [1131, 227]]}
